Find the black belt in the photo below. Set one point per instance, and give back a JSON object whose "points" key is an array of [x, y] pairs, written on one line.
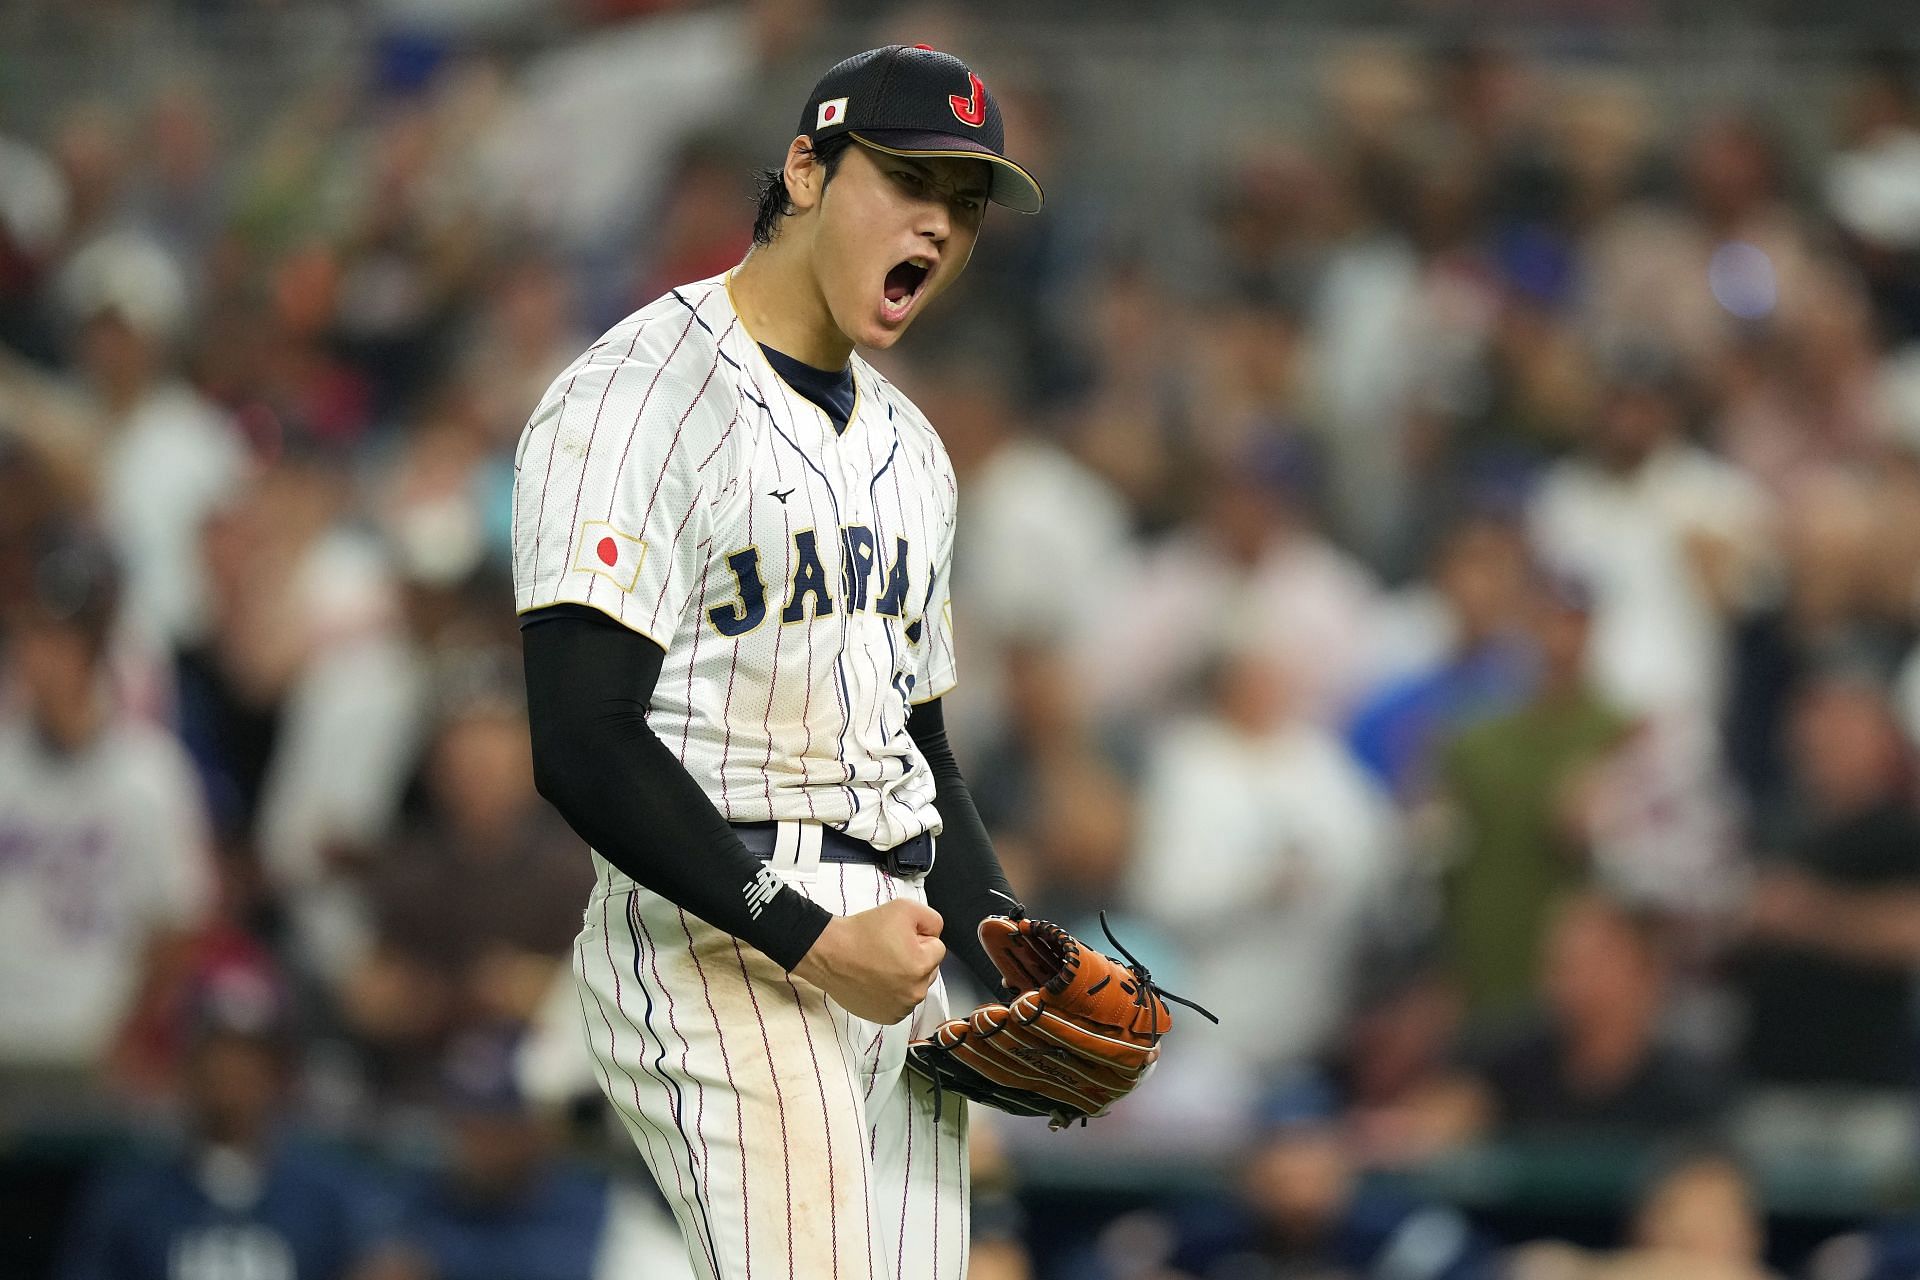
{"points": [[910, 857]]}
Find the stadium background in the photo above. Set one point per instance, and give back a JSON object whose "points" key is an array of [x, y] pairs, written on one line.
{"points": [[1440, 536]]}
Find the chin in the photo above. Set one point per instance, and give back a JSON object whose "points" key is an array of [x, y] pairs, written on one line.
{"points": [[880, 338], [870, 333]]}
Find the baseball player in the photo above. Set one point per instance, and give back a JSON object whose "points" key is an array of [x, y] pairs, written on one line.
{"points": [[731, 557]]}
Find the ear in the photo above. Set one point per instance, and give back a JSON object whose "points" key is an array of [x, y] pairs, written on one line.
{"points": [[806, 177]]}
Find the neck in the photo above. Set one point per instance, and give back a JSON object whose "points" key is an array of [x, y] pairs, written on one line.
{"points": [[780, 304]]}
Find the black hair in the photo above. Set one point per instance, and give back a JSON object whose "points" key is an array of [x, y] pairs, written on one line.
{"points": [[770, 187]]}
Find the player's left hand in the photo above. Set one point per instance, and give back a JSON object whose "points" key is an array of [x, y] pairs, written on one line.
{"points": [[1080, 1031]]}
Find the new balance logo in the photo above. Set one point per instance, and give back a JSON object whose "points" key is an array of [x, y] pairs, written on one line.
{"points": [[760, 891]]}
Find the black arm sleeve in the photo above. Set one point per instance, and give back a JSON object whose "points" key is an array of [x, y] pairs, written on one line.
{"points": [[589, 685], [966, 875]]}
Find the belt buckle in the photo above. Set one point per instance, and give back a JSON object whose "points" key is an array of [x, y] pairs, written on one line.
{"points": [[911, 857]]}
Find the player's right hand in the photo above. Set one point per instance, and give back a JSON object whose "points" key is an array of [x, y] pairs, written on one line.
{"points": [[877, 964]]}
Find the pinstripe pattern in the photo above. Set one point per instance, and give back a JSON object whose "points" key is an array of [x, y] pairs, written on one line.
{"points": [[719, 1042], [658, 1071], [682, 449], [824, 1110], [674, 432], [643, 1123]]}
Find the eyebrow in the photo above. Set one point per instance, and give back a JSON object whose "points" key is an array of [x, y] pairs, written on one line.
{"points": [[927, 171]]}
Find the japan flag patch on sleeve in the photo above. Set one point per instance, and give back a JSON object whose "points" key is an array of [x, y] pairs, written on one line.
{"points": [[605, 550]]}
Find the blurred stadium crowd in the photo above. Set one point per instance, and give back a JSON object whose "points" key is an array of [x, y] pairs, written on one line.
{"points": [[1452, 597]]}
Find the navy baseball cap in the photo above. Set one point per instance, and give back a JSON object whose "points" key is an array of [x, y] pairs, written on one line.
{"points": [[913, 100]]}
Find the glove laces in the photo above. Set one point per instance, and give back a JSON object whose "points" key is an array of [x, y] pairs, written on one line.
{"points": [[1147, 984]]}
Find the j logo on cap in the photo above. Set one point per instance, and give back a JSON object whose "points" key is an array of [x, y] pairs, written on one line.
{"points": [[972, 110]]}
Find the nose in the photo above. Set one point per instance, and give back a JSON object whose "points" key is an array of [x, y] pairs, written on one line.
{"points": [[934, 220]]}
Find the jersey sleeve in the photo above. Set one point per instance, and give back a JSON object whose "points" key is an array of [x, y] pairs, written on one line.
{"points": [[611, 492], [935, 670]]}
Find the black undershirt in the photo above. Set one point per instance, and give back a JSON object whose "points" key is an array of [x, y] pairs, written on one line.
{"points": [[829, 390], [590, 683]]}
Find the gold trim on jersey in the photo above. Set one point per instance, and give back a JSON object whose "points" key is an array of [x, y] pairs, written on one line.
{"points": [[597, 608], [933, 697], [858, 381]]}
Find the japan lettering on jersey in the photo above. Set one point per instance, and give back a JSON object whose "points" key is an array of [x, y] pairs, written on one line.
{"points": [[797, 577]]}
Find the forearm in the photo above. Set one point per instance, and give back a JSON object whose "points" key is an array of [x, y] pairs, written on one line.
{"points": [[966, 884], [599, 763]]}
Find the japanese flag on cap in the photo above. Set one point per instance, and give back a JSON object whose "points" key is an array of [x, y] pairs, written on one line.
{"points": [[914, 100]]}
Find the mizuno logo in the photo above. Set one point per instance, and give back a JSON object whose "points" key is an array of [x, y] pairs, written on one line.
{"points": [[781, 495], [760, 890]]}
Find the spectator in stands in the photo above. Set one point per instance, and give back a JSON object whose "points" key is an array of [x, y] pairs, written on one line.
{"points": [[506, 1204], [1827, 540], [1303, 1210], [1698, 1218], [1128, 345], [1254, 561], [1480, 576], [290, 577], [473, 910], [1263, 848], [1667, 537], [1835, 932], [176, 194], [1869, 187], [236, 1196], [168, 457], [1831, 998], [1405, 1099], [527, 335], [105, 866], [1651, 266], [1510, 791], [1044, 549], [351, 736], [1045, 719], [1591, 1062], [33, 212]]}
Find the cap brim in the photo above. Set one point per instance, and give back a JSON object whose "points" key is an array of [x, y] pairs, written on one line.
{"points": [[1012, 187]]}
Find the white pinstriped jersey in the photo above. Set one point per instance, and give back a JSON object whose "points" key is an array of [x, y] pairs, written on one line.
{"points": [[796, 577]]}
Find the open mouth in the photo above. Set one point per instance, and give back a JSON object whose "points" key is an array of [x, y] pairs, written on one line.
{"points": [[903, 285]]}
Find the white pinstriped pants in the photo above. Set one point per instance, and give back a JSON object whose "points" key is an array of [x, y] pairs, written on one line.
{"points": [[784, 1131]]}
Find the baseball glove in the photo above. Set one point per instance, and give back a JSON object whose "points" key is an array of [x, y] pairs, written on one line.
{"points": [[1080, 1030]]}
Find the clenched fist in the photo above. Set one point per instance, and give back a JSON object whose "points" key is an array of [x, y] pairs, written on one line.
{"points": [[877, 964]]}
